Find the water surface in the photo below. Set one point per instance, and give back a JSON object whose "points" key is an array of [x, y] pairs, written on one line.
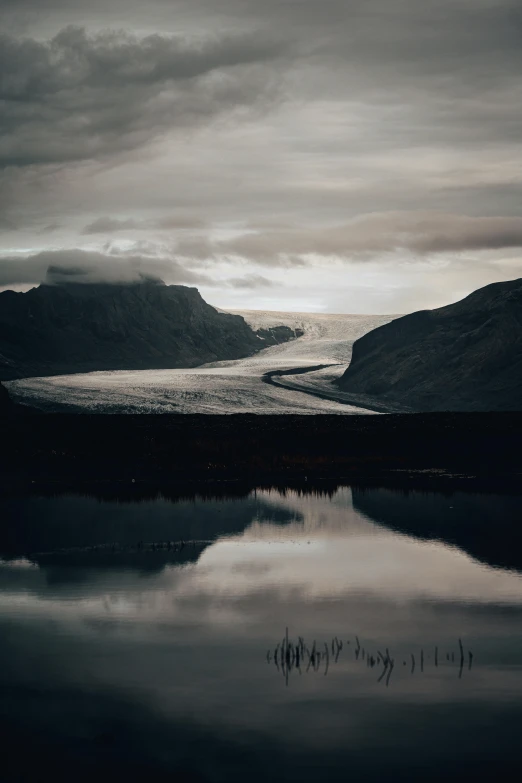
{"points": [[149, 639]]}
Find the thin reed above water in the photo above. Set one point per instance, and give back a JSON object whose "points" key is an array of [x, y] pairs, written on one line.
{"points": [[298, 656]]}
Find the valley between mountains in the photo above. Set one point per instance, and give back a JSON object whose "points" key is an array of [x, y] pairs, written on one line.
{"points": [[248, 385]]}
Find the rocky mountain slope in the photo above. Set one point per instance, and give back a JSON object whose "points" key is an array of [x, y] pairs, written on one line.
{"points": [[69, 328], [466, 356]]}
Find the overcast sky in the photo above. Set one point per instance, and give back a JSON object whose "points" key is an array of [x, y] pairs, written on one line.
{"points": [[323, 155]]}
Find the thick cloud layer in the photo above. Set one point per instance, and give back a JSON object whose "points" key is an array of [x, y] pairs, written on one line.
{"points": [[417, 233], [80, 96], [334, 143]]}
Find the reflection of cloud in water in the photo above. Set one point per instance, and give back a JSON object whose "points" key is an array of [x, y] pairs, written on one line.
{"points": [[185, 646], [337, 550], [313, 513], [333, 553], [396, 568]]}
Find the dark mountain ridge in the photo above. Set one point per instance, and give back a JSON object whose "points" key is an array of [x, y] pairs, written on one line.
{"points": [[465, 356], [79, 327]]}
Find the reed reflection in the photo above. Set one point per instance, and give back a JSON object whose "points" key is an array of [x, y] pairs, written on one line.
{"points": [[297, 656]]}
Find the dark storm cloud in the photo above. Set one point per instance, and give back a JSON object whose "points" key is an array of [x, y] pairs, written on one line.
{"points": [[82, 96], [83, 266], [450, 69]]}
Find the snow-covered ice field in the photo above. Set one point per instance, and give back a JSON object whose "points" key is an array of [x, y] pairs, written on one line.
{"points": [[220, 387]]}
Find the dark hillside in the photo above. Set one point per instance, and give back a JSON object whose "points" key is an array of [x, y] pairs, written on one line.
{"points": [[68, 328], [466, 356]]}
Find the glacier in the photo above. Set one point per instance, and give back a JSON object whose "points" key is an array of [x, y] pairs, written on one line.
{"points": [[222, 387]]}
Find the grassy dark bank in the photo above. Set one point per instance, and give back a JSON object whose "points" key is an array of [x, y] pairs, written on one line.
{"points": [[71, 447]]}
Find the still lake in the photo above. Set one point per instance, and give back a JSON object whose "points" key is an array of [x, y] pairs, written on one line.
{"points": [[144, 638]]}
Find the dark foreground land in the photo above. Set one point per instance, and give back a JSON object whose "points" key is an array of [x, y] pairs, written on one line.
{"points": [[79, 447]]}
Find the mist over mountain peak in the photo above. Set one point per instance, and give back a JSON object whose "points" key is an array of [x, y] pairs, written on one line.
{"points": [[87, 275]]}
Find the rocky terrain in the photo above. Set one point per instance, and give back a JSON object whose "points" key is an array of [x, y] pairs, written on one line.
{"points": [[73, 328], [466, 356]]}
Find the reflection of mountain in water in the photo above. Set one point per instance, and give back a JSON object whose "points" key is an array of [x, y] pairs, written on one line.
{"points": [[485, 526], [46, 524], [146, 529], [76, 564]]}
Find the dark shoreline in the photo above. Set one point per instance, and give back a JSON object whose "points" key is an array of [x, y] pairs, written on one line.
{"points": [[477, 448]]}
